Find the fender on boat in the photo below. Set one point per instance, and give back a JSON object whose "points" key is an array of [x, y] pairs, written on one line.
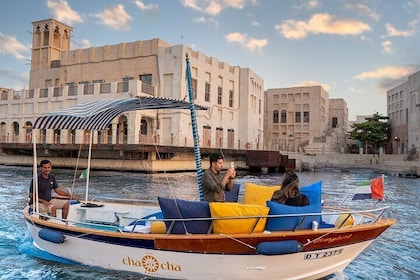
{"points": [[278, 247], [51, 236]]}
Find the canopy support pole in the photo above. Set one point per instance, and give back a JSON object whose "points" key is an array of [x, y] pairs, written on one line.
{"points": [[88, 167], [196, 138]]}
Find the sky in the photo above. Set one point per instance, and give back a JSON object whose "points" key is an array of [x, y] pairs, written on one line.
{"points": [[356, 49]]}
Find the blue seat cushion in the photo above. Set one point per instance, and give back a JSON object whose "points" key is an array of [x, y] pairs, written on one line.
{"points": [[184, 209], [233, 194], [313, 192], [289, 223]]}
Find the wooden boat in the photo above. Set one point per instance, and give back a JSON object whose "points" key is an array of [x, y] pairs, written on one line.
{"points": [[179, 239]]}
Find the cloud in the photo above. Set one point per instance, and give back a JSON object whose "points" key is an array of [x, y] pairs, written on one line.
{"points": [[115, 17], [249, 43], [363, 10], [208, 20], [321, 24], [254, 23], [62, 11], [84, 44], [387, 46], [20, 78], [306, 5], [327, 87], [147, 8], [9, 45], [215, 7], [393, 32], [388, 72]]}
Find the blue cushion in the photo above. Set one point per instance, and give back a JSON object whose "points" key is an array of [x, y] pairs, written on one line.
{"points": [[232, 195], [177, 209], [313, 192], [157, 215], [289, 223]]}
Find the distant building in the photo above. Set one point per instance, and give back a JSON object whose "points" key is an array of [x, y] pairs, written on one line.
{"points": [[403, 106], [304, 119], [61, 77]]}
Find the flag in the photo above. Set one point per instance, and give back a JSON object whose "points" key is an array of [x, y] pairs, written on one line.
{"points": [[371, 189], [83, 175]]}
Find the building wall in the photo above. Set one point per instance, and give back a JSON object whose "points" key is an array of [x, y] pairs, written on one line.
{"points": [[297, 132], [61, 77], [338, 122], [403, 109]]}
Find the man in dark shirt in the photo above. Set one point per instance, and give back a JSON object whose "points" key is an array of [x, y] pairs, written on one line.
{"points": [[215, 182], [47, 183]]}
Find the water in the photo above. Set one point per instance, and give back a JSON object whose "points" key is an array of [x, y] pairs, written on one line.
{"points": [[394, 255]]}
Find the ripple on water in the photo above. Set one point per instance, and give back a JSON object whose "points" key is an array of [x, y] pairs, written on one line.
{"points": [[394, 255]]}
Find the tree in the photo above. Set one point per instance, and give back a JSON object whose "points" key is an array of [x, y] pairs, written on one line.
{"points": [[374, 131]]}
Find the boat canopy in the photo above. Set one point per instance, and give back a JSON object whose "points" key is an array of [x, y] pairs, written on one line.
{"points": [[97, 115]]}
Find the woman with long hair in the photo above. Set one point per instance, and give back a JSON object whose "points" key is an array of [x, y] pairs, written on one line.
{"points": [[289, 193]]}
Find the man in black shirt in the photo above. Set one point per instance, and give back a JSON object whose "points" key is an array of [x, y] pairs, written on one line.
{"points": [[47, 183]]}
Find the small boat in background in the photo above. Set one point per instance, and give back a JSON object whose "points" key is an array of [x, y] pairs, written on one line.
{"points": [[171, 238]]}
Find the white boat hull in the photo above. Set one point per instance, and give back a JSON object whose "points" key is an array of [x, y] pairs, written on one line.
{"points": [[182, 265]]}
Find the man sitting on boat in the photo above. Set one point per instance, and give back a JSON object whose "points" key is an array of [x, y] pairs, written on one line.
{"points": [[215, 182], [47, 183]]}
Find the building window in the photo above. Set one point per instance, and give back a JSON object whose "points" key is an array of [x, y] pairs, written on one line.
{"points": [[207, 92], [276, 116], [297, 117], [306, 117], [194, 87], [147, 79], [283, 116], [219, 95], [143, 127], [334, 122], [231, 98]]}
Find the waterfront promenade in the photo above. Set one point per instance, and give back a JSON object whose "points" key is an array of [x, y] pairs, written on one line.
{"points": [[390, 164]]}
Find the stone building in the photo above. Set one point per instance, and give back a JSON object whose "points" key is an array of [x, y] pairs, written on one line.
{"points": [[61, 77], [403, 108], [304, 119]]}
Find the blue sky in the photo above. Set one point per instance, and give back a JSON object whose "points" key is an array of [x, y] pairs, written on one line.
{"points": [[355, 49]]}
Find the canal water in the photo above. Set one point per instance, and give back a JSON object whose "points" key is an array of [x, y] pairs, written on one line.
{"points": [[394, 255]]}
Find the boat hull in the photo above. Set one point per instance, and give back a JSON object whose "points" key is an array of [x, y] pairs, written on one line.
{"points": [[186, 265]]}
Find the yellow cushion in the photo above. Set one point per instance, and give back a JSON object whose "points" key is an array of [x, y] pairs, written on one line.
{"points": [[258, 194], [158, 227], [231, 209], [348, 222]]}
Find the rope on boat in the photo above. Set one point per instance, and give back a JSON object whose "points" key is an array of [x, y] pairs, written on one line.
{"points": [[239, 241], [322, 236]]}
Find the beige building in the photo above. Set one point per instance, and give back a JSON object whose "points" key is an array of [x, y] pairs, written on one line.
{"points": [[61, 77], [304, 119], [403, 108]]}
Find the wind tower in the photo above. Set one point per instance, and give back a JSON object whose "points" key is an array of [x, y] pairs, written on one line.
{"points": [[50, 39]]}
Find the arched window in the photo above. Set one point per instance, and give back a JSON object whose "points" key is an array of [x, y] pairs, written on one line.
{"points": [[283, 116], [276, 116]]}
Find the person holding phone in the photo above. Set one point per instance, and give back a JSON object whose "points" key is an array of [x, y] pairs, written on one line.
{"points": [[216, 182]]}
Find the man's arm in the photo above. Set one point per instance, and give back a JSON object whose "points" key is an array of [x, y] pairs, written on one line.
{"points": [[63, 193]]}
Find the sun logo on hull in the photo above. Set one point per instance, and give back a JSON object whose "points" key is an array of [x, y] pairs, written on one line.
{"points": [[150, 263]]}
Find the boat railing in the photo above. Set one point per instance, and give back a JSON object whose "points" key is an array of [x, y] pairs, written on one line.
{"points": [[373, 216], [117, 199], [370, 216]]}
